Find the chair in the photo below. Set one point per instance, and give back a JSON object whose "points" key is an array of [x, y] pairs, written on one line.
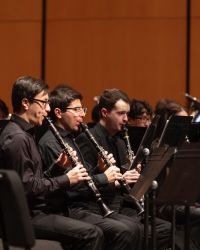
{"points": [[15, 225]]}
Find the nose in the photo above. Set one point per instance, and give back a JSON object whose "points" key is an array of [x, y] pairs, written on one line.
{"points": [[146, 123], [125, 118], [47, 108]]}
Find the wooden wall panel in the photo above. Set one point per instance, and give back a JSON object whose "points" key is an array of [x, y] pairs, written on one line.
{"points": [[66, 9], [20, 43], [144, 56], [195, 59], [137, 46], [20, 10], [195, 51]]}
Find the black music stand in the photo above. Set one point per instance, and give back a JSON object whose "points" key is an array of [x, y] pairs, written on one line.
{"points": [[194, 132], [145, 145], [173, 136], [135, 136], [175, 131], [181, 186]]}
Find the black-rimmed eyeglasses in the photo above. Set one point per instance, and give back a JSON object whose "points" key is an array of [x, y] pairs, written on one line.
{"points": [[143, 119], [77, 110], [44, 103]]}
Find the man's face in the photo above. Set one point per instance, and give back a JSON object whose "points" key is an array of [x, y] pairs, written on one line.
{"points": [[116, 117], [73, 116], [142, 120], [37, 110]]}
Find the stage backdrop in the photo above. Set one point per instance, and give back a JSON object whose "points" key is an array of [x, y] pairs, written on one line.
{"points": [[136, 46]]}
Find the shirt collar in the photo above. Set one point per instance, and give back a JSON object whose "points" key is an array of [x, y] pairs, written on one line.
{"points": [[63, 132], [26, 126], [106, 133]]}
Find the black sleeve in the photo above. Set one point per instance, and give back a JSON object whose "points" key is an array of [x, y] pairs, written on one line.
{"points": [[87, 149]]}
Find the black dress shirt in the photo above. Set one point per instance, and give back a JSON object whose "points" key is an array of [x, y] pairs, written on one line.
{"points": [[49, 149], [18, 151]]}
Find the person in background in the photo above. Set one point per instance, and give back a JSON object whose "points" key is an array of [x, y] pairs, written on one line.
{"points": [[160, 104], [18, 151], [95, 114], [4, 113], [140, 113], [165, 211]]}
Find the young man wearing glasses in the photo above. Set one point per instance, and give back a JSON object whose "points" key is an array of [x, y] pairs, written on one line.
{"points": [[114, 106], [140, 114], [18, 151], [67, 113]]}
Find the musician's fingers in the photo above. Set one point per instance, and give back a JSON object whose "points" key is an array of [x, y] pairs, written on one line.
{"points": [[139, 167], [116, 169], [118, 176], [111, 158], [87, 178], [133, 171]]}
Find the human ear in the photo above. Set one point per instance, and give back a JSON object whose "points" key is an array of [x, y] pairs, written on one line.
{"points": [[58, 112], [104, 112], [25, 103]]}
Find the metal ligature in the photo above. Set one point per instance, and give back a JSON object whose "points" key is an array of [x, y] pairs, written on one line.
{"points": [[125, 187], [90, 184]]}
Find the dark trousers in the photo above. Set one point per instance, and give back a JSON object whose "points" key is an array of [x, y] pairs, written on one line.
{"points": [[71, 233], [163, 228], [120, 232], [165, 212]]}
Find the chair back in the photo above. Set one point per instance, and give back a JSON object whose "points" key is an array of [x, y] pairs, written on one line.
{"points": [[15, 224]]}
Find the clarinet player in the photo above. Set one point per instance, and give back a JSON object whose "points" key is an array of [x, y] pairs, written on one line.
{"points": [[114, 108], [67, 113], [18, 151]]}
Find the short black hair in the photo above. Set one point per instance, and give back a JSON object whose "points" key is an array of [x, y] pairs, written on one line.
{"points": [[138, 108], [109, 98], [4, 108], [26, 87], [61, 98], [96, 113]]}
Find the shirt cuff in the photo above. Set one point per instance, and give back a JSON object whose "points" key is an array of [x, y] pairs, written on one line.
{"points": [[63, 181], [100, 180]]}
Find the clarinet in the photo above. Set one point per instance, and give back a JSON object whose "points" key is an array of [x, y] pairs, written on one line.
{"points": [[90, 184], [125, 187], [130, 153]]}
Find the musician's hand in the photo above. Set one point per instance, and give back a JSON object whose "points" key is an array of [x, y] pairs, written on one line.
{"points": [[101, 164], [138, 167], [131, 176], [78, 174], [113, 174], [63, 160]]}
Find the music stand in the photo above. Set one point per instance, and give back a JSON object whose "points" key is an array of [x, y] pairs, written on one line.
{"points": [[181, 186], [145, 145], [180, 126], [176, 130], [173, 135], [194, 132], [135, 136]]}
